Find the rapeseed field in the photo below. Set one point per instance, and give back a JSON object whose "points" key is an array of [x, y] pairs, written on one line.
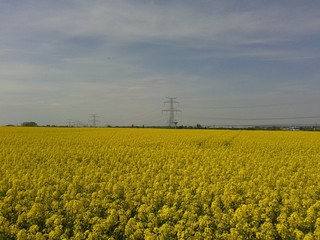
{"points": [[70, 183]]}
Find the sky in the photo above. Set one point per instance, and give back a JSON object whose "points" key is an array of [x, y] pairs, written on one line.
{"points": [[227, 62]]}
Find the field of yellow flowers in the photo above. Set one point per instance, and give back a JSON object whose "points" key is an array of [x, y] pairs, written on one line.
{"points": [[69, 183]]}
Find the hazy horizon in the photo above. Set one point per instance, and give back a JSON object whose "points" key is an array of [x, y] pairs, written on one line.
{"points": [[227, 62]]}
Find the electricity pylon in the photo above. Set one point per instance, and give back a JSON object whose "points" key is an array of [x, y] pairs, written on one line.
{"points": [[94, 120], [172, 110]]}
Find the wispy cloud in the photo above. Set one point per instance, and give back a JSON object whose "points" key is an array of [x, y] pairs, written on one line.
{"points": [[142, 21], [90, 52]]}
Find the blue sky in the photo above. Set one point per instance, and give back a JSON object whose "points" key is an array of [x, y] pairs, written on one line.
{"points": [[227, 62]]}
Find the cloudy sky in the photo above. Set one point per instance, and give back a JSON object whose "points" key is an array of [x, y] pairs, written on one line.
{"points": [[226, 61]]}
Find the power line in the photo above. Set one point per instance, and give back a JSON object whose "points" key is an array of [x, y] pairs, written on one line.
{"points": [[259, 119], [172, 110], [275, 118], [243, 106], [69, 123]]}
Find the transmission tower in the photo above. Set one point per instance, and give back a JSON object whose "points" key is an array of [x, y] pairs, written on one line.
{"points": [[94, 120], [69, 123], [172, 110]]}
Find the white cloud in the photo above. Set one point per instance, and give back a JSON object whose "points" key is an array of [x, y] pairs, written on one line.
{"points": [[140, 21], [79, 53]]}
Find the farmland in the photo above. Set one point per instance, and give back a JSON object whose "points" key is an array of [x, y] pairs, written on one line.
{"points": [[69, 183]]}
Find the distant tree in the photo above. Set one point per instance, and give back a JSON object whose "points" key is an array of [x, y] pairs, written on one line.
{"points": [[29, 124]]}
